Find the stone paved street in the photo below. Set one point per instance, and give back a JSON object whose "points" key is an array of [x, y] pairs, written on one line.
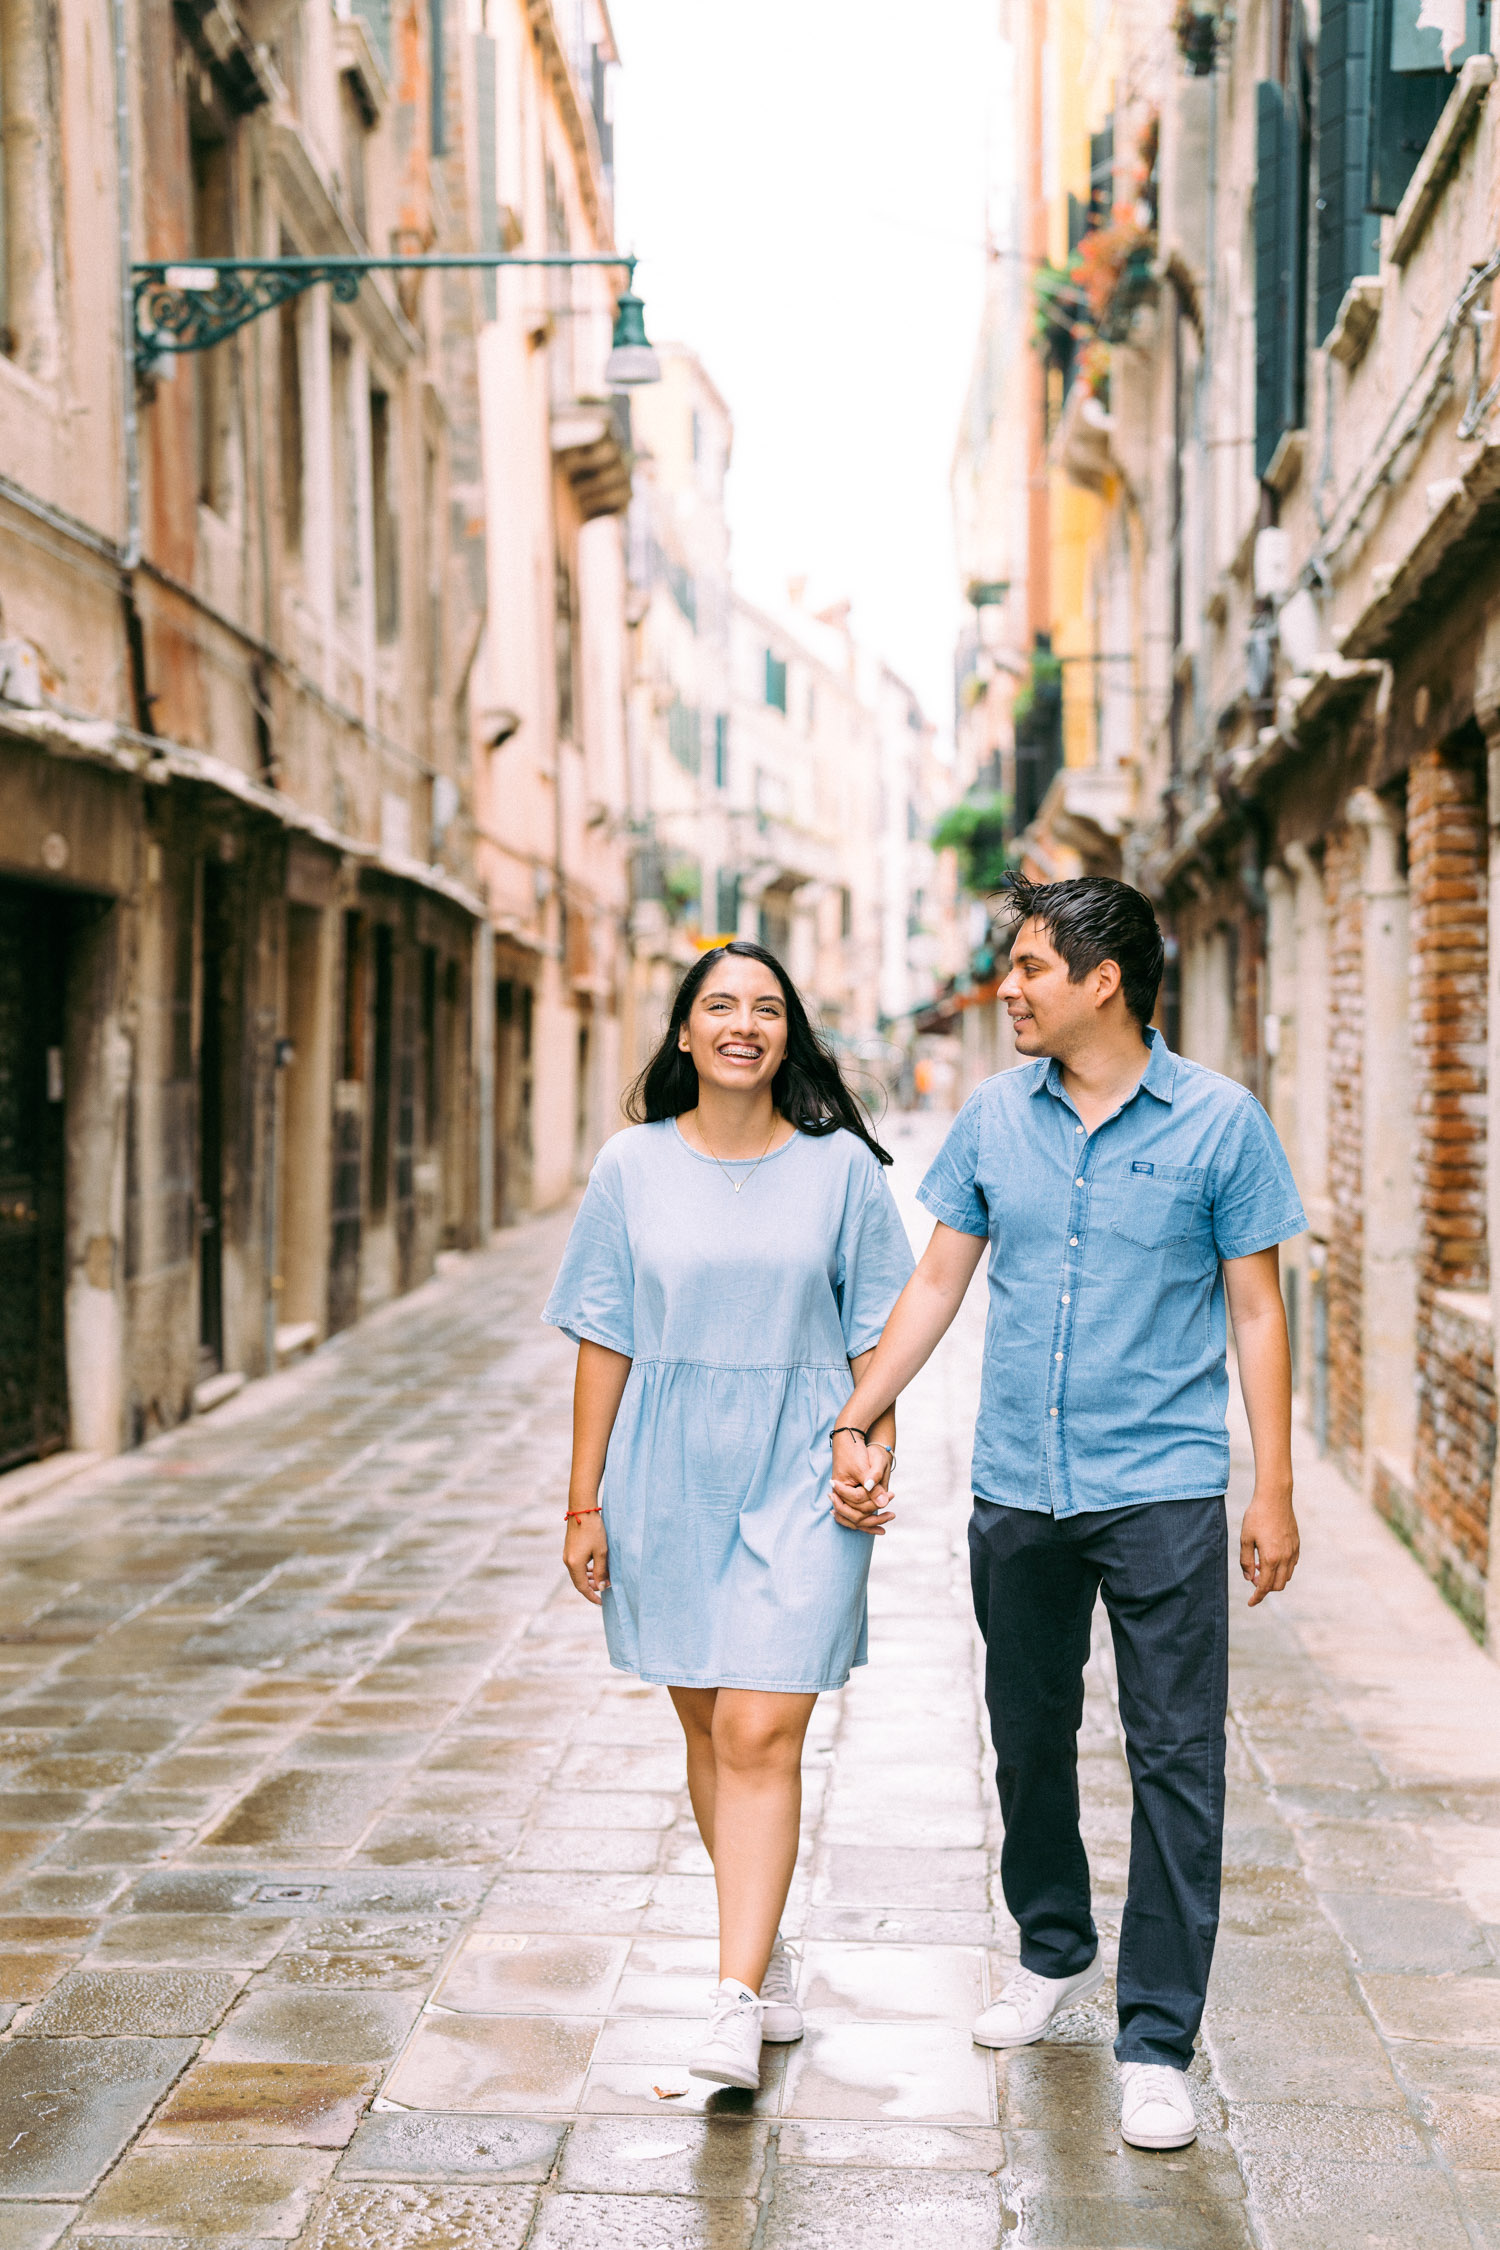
{"points": [[349, 1898]]}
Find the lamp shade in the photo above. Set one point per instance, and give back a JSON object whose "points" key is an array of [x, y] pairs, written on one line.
{"points": [[631, 360]]}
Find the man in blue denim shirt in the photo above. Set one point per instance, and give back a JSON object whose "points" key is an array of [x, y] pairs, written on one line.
{"points": [[1125, 1194]]}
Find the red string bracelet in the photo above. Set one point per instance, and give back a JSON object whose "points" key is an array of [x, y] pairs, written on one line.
{"points": [[573, 1512]]}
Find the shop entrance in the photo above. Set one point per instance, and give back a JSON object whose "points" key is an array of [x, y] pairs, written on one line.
{"points": [[33, 1379]]}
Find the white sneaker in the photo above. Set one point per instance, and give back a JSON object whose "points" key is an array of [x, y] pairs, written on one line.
{"points": [[1156, 2109], [1026, 2007], [730, 2055], [780, 2016]]}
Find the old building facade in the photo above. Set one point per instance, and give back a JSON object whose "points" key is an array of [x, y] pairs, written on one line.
{"points": [[311, 650], [781, 779], [550, 769], [1276, 381]]}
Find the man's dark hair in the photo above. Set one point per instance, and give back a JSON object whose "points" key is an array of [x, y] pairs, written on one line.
{"points": [[1094, 918]]}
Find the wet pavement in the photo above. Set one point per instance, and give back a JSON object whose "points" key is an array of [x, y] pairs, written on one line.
{"points": [[347, 1898]]}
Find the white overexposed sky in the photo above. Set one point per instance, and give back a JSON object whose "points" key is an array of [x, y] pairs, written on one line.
{"points": [[804, 182]]}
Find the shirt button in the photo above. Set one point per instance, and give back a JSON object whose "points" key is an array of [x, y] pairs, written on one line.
{"points": [[1054, 1413], [1078, 1128], [1078, 1183], [1067, 1300], [1073, 1239], [1057, 1355]]}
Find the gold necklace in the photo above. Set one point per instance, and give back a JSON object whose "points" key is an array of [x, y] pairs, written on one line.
{"points": [[755, 1167]]}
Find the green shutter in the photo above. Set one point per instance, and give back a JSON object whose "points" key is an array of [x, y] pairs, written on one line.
{"points": [[1348, 236], [1278, 269], [1404, 107], [437, 72]]}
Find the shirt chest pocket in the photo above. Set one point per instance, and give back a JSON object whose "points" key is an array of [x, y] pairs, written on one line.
{"points": [[1159, 1204]]}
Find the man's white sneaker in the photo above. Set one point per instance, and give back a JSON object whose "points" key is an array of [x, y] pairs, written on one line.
{"points": [[730, 2055], [1028, 2004], [1156, 2109], [780, 2016]]}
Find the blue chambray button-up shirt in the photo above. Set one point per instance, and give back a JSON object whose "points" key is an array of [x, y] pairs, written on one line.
{"points": [[1104, 1379]]}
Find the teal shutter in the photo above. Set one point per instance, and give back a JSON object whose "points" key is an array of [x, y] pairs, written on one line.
{"points": [[437, 65], [1348, 236], [1278, 269], [1407, 96]]}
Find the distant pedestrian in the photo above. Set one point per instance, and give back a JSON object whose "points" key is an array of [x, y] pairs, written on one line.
{"points": [[1125, 1194], [736, 1253]]}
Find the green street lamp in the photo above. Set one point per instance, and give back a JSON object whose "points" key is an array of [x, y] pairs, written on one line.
{"points": [[191, 305], [631, 360]]}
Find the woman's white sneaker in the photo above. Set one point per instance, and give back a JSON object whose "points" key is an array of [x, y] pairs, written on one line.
{"points": [[780, 2016], [730, 2055], [1156, 2109], [1028, 2005]]}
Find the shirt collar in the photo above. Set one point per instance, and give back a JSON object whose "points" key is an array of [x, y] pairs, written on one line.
{"points": [[1158, 1079]]}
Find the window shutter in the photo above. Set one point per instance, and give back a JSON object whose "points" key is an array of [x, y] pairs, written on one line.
{"points": [[1271, 188], [1405, 105], [437, 67], [1279, 269], [489, 191], [1348, 235]]}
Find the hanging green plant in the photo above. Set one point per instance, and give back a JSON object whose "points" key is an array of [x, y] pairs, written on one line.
{"points": [[976, 829], [1196, 30], [1060, 312], [1041, 694]]}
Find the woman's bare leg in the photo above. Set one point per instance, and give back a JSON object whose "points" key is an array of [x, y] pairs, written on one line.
{"points": [[695, 1708], [757, 1806]]}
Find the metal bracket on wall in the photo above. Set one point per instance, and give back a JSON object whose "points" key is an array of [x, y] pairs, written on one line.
{"points": [[190, 305]]}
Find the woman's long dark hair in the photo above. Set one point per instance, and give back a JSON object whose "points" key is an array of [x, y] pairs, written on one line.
{"points": [[808, 1089]]}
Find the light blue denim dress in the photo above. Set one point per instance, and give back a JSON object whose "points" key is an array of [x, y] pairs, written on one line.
{"points": [[740, 1314]]}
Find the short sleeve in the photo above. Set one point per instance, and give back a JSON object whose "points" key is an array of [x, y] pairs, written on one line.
{"points": [[951, 1190], [874, 1262], [1254, 1197], [593, 1297]]}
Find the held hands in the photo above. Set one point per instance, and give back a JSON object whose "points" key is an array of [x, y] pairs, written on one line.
{"points": [[861, 1484], [1269, 1544], [586, 1553]]}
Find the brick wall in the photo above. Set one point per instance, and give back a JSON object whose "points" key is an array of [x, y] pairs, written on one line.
{"points": [[1343, 1281], [1455, 1375]]}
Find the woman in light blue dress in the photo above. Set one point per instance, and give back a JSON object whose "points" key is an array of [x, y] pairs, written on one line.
{"points": [[736, 1253]]}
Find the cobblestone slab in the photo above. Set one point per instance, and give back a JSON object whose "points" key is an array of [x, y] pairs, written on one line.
{"points": [[348, 1899]]}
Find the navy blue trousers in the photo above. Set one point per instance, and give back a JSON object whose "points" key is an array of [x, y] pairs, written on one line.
{"points": [[1163, 1572]]}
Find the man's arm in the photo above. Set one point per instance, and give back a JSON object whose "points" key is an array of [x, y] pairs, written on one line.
{"points": [[1269, 1542], [919, 1321]]}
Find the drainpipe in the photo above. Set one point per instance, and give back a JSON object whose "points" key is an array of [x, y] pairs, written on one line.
{"points": [[129, 429], [125, 194]]}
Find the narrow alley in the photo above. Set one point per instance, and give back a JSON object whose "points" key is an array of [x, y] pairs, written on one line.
{"points": [[349, 1898]]}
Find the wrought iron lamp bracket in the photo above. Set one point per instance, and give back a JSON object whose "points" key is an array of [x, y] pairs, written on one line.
{"points": [[189, 305]]}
